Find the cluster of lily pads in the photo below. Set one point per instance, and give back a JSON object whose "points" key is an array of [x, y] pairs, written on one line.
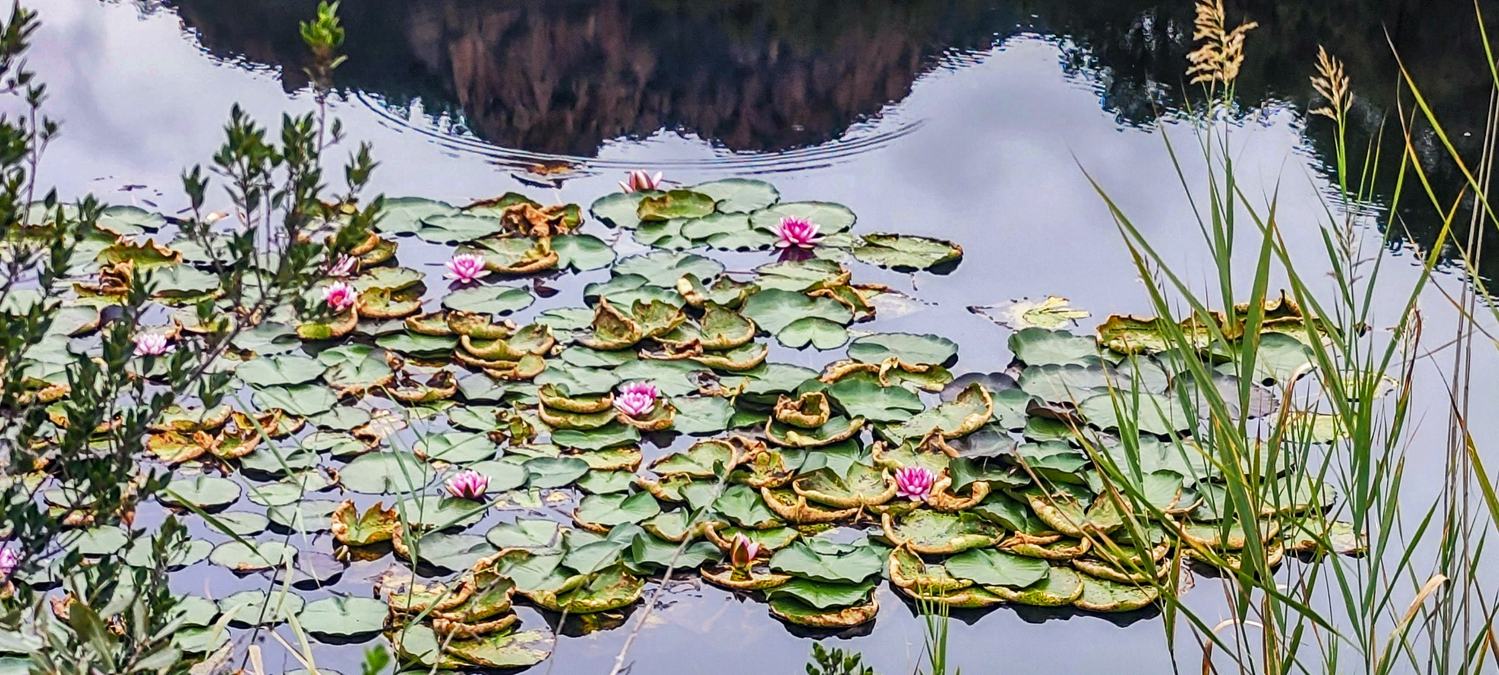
{"points": [[648, 427]]}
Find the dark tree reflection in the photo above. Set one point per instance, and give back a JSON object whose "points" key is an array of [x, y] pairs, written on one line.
{"points": [[566, 76]]}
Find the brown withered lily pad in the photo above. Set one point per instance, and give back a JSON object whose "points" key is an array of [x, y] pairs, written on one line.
{"points": [[793, 611], [794, 508], [757, 578], [836, 430], [806, 411], [478, 326]]}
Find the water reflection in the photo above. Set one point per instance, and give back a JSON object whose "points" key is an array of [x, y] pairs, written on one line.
{"points": [[782, 85]]}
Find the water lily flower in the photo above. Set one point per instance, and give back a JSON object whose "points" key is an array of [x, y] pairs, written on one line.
{"points": [[796, 232], [640, 181], [152, 344], [914, 482], [342, 267], [742, 552], [340, 296], [468, 484], [8, 562], [637, 399], [466, 268]]}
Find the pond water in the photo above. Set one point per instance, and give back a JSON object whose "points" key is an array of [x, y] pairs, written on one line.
{"points": [[969, 121]]}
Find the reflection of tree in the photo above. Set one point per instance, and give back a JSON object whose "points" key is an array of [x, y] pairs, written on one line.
{"points": [[1136, 57], [766, 75], [564, 77]]}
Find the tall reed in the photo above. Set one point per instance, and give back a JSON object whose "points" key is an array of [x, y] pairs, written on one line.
{"points": [[1410, 601]]}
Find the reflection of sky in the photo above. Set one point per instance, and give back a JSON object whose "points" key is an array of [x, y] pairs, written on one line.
{"points": [[996, 165]]}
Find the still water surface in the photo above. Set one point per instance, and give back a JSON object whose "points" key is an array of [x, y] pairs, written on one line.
{"points": [[967, 120]]}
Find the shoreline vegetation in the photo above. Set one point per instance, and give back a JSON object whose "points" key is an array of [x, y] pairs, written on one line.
{"points": [[268, 383]]}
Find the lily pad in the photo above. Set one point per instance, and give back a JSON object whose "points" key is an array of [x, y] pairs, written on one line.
{"points": [[821, 559], [906, 252], [908, 347], [258, 608], [739, 195], [343, 617], [774, 309], [674, 204], [991, 567], [242, 557], [386, 473], [972, 408], [829, 218], [204, 492], [489, 299]]}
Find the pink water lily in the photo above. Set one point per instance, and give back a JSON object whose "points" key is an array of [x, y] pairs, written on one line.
{"points": [[796, 232], [466, 268], [637, 399], [342, 267], [742, 552], [340, 296], [8, 562], [640, 181], [468, 484], [914, 482], [152, 344]]}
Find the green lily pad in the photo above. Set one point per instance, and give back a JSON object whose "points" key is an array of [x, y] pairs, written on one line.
{"points": [[306, 516], [774, 309], [971, 409], [1070, 383], [1101, 595], [823, 595], [404, 215], [457, 448], [596, 439], [815, 331], [449, 551], [906, 252], [279, 370], [1040, 347], [861, 395], [664, 268], [204, 492], [991, 567], [554, 472], [1062, 586], [258, 608], [1151, 413], [616, 509], [301, 399], [739, 195], [829, 218], [532, 533], [743, 506], [581, 252], [457, 228], [908, 347], [823, 560], [386, 473], [354, 366], [701, 414], [242, 557], [489, 299], [927, 531], [674, 204], [130, 220], [342, 617], [416, 344]]}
